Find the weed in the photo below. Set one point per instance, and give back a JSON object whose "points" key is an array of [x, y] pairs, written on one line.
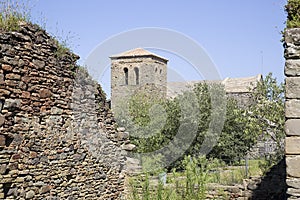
{"points": [[12, 12]]}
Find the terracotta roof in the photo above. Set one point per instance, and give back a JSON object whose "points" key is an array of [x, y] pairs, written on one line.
{"points": [[232, 85], [138, 52]]}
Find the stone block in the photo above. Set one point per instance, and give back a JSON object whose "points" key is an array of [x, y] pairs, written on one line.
{"points": [[25, 95], [292, 145], [30, 194], [292, 127], [128, 147], [4, 92], [293, 182], [2, 140], [292, 108], [2, 79], [294, 192], [7, 68], [292, 51], [3, 168], [292, 67], [39, 64], [292, 87], [2, 120], [292, 35], [45, 189], [12, 103], [45, 93], [13, 76], [292, 166]]}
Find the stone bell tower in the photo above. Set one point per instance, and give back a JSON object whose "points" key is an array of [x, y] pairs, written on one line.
{"points": [[137, 70]]}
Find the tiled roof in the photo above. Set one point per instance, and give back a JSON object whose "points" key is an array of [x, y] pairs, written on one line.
{"points": [[138, 52], [232, 85]]}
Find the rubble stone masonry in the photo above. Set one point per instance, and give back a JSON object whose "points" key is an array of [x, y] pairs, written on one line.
{"points": [[58, 138]]}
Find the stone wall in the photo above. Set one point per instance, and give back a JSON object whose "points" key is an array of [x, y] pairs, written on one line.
{"points": [[292, 113], [58, 138]]}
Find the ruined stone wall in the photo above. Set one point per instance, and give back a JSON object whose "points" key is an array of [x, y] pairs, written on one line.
{"points": [[292, 113], [58, 138]]}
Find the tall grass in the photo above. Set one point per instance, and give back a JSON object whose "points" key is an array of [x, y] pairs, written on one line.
{"points": [[187, 185], [192, 182], [12, 12]]}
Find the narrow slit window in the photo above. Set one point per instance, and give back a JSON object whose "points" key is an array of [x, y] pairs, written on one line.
{"points": [[137, 81], [126, 75]]}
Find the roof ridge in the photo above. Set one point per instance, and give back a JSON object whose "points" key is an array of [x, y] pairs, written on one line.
{"points": [[137, 52]]}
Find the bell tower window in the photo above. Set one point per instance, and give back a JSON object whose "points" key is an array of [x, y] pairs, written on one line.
{"points": [[126, 75], [137, 81]]}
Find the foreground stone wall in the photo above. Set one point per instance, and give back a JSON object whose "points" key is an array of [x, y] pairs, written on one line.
{"points": [[58, 138], [292, 114]]}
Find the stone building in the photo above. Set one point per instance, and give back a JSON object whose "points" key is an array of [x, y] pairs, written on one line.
{"points": [[136, 70], [139, 69], [238, 88]]}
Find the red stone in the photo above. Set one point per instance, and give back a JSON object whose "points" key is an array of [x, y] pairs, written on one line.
{"points": [[13, 76], [16, 156], [25, 95], [2, 120], [32, 154], [45, 189], [4, 92], [2, 140], [25, 79], [43, 109], [7, 67], [45, 93]]}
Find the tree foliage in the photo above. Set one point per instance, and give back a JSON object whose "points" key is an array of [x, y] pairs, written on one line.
{"points": [[154, 122], [267, 114], [293, 14]]}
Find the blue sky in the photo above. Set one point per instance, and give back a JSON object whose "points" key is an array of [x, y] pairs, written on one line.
{"points": [[242, 37]]}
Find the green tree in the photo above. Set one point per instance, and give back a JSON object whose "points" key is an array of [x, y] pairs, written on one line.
{"points": [[234, 141], [266, 116], [293, 13], [154, 122]]}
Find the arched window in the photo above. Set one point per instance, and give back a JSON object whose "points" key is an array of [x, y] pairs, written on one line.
{"points": [[126, 75], [137, 81]]}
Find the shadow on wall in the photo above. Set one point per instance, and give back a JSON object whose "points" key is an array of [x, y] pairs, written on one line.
{"points": [[273, 185]]}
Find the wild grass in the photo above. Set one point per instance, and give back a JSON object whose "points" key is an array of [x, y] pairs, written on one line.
{"points": [[12, 13], [192, 182], [187, 185]]}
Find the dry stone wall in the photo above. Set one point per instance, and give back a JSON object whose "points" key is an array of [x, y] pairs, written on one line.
{"points": [[292, 113], [58, 138]]}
